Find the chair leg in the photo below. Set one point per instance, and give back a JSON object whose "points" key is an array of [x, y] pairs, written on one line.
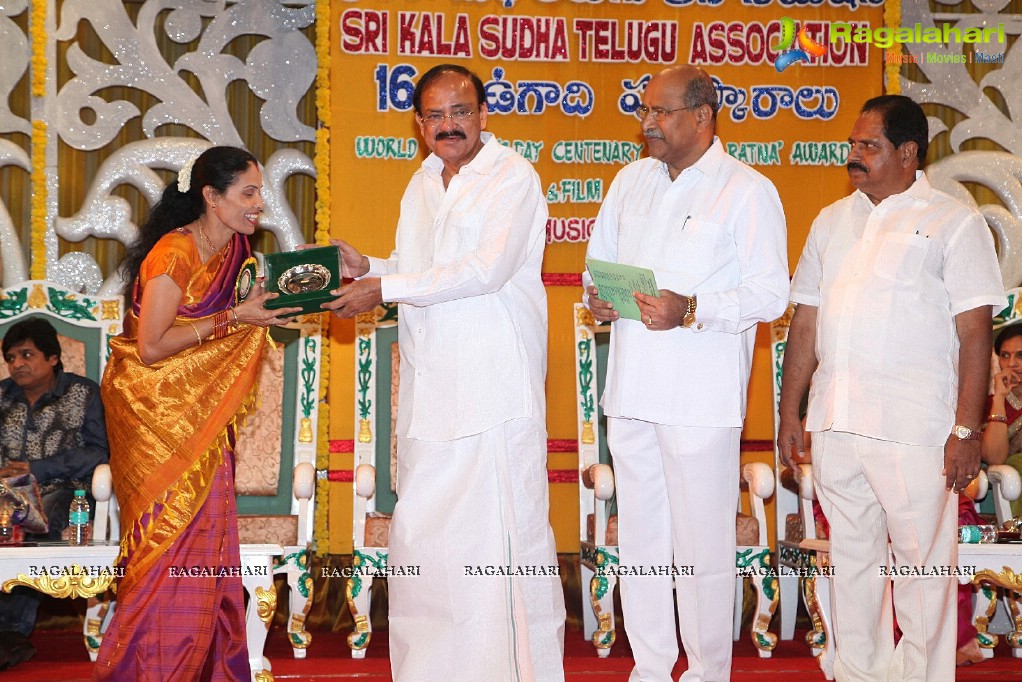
{"points": [[736, 613], [357, 594], [300, 598], [755, 563], [588, 616], [984, 604], [262, 605], [788, 601], [601, 597], [816, 592], [92, 630], [1015, 636]]}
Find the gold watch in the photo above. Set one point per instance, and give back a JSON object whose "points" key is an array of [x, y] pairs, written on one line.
{"points": [[965, 433], [689, 318]]}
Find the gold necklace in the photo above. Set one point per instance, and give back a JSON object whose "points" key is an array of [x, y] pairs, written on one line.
{"points": [[209, 245]]}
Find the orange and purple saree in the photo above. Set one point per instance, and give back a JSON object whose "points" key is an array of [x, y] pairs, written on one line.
{"points": [[171, 430]]}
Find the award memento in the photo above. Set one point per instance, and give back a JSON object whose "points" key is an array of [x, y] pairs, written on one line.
{"points": [[302, 278], [246, 280]]}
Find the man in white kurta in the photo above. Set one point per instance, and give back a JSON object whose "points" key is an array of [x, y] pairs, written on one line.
{"points": [[712, 231], [472, 510], [895, 291]]}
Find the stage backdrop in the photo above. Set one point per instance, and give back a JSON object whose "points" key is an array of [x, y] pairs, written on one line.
{"points": [[563, 79]]}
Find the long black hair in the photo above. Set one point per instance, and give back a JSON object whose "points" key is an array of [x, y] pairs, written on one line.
{"points": [[217, 167]]}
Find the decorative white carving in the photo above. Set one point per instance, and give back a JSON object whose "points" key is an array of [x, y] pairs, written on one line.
{"points": [[279, 69], [951, 84], [980, 105], [1002, 174], [12, 257], [14, 57], [104, 214]]}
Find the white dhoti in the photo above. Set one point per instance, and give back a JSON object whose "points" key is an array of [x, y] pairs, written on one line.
{"points": [[469, 513], [868, 489], [677, 493]]}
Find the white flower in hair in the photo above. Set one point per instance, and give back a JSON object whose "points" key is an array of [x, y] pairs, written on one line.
{"points": [[184, 176]]}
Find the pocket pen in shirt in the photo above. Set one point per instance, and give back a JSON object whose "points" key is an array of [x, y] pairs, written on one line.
{"points": [[689, 217]]}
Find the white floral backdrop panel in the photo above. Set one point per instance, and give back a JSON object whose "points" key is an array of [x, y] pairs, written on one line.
{"points": [[980, 116], [187, 87]]}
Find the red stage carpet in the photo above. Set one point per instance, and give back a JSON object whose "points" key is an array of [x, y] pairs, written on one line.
{"points": [[62, 658]]}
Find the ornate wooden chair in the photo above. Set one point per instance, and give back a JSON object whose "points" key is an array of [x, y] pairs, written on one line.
{"points": [[375, 463], [276, 476], [84, 324], [598, 522]]}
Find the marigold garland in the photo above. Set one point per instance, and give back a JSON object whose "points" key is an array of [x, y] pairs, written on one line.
{"points": [[892, 68], [321, 160], [39, 200], [37, 33]]}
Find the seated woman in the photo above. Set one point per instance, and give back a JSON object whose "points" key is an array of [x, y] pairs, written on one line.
{"points": [[1002, 438]]}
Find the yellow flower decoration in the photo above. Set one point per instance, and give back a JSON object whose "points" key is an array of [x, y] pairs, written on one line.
{"points": [[321, 531], [892, 69]]}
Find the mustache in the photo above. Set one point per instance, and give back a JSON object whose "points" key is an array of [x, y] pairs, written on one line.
{"points": [[450, 134], [652, 134], [855, 165]]}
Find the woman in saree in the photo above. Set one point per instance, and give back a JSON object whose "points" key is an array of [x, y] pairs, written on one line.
{"points": [[179, 377], [1002, 442], [1002, 438]]}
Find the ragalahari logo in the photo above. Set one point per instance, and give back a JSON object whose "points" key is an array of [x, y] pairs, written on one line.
{"points": [[806, 46]]}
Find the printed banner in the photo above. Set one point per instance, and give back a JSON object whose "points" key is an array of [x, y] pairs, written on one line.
{"points": [[563, 79]]}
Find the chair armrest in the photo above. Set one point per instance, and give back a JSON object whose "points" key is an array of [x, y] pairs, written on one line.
{"points": [[105, 526], [365, 480], [760, 478], [1005, 480], [1007, 486], [806, 487], [600, 479], [304, 481], [103, 483], [978, 487]]}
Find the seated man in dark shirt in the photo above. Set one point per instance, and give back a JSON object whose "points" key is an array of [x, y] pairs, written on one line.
{"points": [[51, 425]]}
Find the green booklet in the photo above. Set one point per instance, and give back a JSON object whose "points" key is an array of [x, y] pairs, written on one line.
{"points": [[616, 282]]}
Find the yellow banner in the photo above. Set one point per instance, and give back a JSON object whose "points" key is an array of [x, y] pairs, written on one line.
{"points": [[563, 79]]}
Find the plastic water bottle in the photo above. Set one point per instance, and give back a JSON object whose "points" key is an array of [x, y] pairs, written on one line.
{"points": [[78, 519], [977, 534]]}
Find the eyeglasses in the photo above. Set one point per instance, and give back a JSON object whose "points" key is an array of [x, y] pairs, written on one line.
{"points": [[658, 113], [460, 116]]}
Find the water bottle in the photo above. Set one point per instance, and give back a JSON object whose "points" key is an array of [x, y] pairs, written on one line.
{"points": [[977, 534], [78, 520]]}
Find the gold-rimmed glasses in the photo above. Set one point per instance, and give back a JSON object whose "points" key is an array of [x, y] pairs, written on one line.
{"points": [[642, 111], [459, 116]]}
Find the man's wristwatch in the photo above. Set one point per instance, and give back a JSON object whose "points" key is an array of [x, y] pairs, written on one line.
{"points": [[965, 433], [689, 318]]}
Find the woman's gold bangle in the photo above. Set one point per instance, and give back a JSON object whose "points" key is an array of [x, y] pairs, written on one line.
{"points": [[196, 330], [998, 418]]}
